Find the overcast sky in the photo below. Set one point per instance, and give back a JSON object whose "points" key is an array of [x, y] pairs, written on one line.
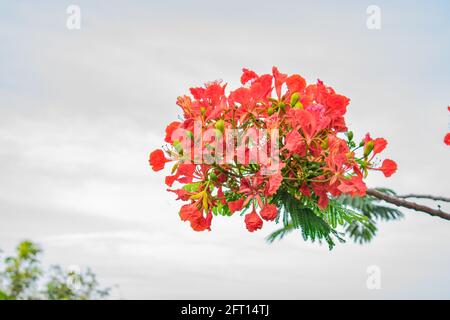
{"points": [[80, 110]]}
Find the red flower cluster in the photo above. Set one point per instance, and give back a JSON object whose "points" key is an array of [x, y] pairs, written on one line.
{"points": [[317, 157]]}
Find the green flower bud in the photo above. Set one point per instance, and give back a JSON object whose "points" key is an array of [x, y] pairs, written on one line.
{"points": [[220, 125], [203, 110], [294, 98], [350, 135], [298, 105], [270, 111], [368, 148], [178, 146]]}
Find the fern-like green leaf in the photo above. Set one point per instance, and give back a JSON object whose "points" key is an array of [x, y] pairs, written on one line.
{"points": [[302, 214], [358, 216]]}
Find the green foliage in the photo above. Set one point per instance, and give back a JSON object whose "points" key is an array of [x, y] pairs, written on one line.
{"points": [[313, 222], [371, 207], [21, 274], [373, 210], [4, 296], [361, 233], [355, 216], [221, 209], [73, 286]]}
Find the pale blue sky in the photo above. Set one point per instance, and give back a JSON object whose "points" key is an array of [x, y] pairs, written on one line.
{"points": [[80, 111]]}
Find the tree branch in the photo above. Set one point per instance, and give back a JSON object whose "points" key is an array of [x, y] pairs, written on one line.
{"points": [[407, 204], [424, 196]]}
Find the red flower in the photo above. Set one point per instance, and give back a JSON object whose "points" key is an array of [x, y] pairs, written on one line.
{"points": [[447, 136], [379, 145], [353, 186], [158, 160], [248, 75], [304, 189], [190, 212], [185, 174], [280, 78], [269, 212], [197, 93], [337, 105], [447, 139], [274, 183], [170, 129], [323, 200], [295, 143], [320, 189], [253, 222], [311, 121], [200, 223], [170, 180], [389, 167], [295, 83], [182, 194], [235, 205]]}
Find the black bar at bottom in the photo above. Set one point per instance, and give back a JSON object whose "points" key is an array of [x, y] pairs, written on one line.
{"points": [[223, 309]]}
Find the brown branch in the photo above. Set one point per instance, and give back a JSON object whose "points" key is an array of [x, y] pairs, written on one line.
{"points": [[424, 196], [407, 204]]}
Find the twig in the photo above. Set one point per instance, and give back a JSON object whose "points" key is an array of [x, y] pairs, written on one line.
{"points": [[408, 204], [424, 196]]}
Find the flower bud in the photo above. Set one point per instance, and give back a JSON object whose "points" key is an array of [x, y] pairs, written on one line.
{"points": [[368, 148], [220, 125], [350, 135], [270, 111], [178, 146], [298, 105], [294, 98]]}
